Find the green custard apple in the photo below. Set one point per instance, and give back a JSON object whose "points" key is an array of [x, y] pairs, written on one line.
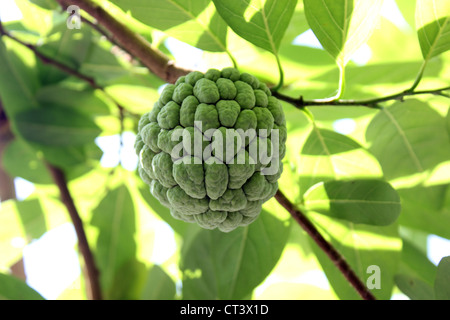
{"points": [[211, 148]]}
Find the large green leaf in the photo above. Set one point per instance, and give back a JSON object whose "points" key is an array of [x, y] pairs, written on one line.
{"points": [[426, 208], [416, 273], [372, 202], [158, 286], [18, 79], [328, 155], [342, 26], [55, 126], [260, 22], [442, 282], [193, 21], [404, 137], [116, 247], [20, 160], [12, 288], [23, 221], [433, 26], [414, 288], [219, 265], [87, 101]]}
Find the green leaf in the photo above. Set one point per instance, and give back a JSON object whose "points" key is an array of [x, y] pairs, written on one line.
{"points": [[12, 288], [55, 126], [115, 248], [365, 248], [372, 202], [342, 26], [219, 265], [415, 262], [87, 101], [128, 281], [328, 155], [164, 213], [404, 137], [67, 46], [193, 21], [20, 160], [22, 221], [433, 27], [32, 218], [262, 23], [35, 16], [442, 282], [18, 81], [159, 285], [46, 4], [426, 208], [414, 288]]}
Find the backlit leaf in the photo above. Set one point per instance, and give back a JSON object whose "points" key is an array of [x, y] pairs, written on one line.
{"points": [[433, 26], [193, 21], [372, 202], [219, 265], [342, 26], [260, 22]]}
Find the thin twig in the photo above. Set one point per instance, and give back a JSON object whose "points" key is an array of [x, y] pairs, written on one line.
{"points": [[323, 244], [300, 103], [92, 274]]}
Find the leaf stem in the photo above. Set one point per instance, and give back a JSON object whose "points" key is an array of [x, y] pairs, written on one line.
{"points": [[233, 60], [419, 76], [281, 73], [338, 260]]}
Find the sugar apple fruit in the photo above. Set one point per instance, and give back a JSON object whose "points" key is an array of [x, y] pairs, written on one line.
{"points": [[211, 148]]}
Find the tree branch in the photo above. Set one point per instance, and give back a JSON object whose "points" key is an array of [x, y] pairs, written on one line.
{"points": [[300, 103], [7, 188], [323, 244], [135, 44], [91, 271]]}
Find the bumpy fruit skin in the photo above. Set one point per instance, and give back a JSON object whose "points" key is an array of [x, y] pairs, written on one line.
{"points": [[217, 191]]}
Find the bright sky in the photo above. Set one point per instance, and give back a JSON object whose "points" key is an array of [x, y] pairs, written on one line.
{"points": [[51, 263]]}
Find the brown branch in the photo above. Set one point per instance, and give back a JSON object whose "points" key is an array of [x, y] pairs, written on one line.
{"points": [[323, 244], [300, 103], [136, 45], [7, 188], [91, 271]]}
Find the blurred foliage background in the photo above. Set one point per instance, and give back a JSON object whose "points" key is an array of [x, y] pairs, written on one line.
{"points": [[57, 117]]}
